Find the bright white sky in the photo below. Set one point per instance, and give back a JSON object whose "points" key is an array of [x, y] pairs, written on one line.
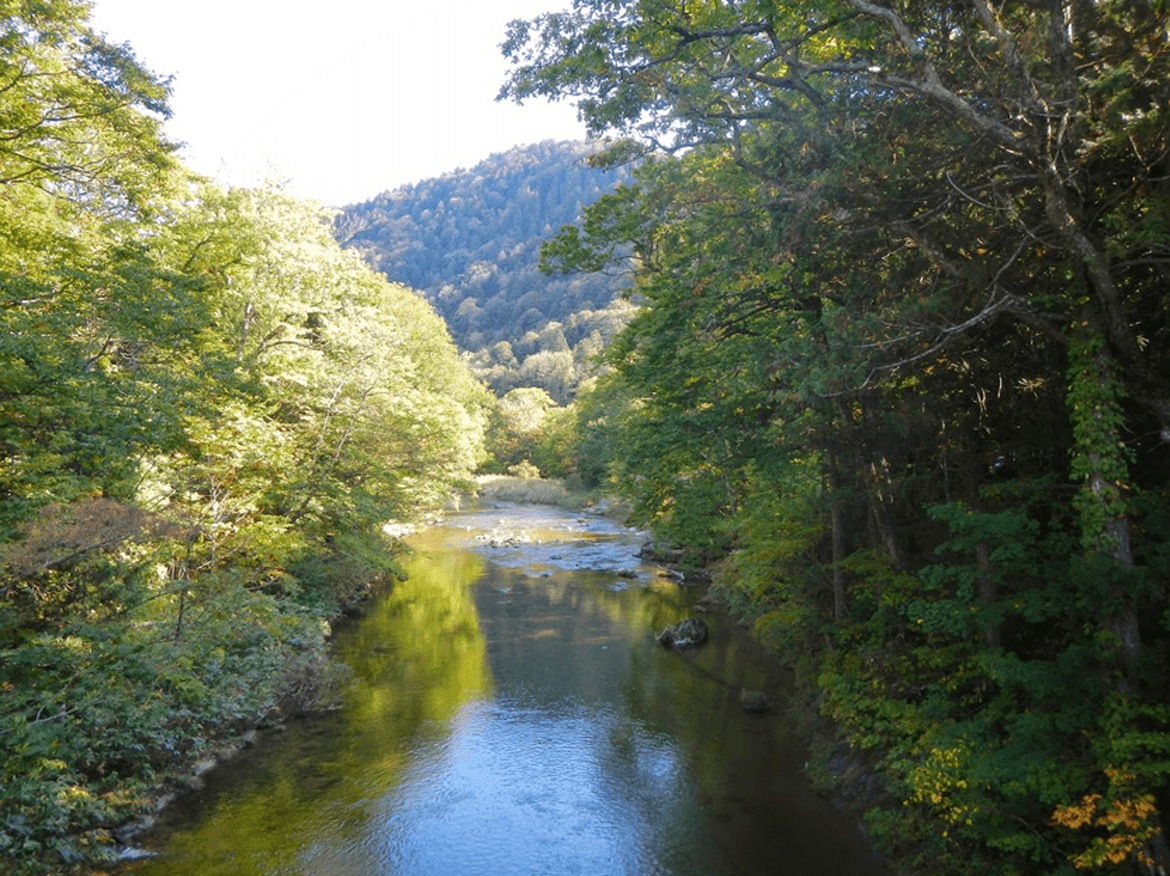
{"points": [[339, 99]]}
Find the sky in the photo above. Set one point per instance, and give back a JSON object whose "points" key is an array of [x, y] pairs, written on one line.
{"points": [[340, 100]]}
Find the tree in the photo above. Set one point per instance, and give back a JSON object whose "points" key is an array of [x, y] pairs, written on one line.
{"points": [[81, 118], [367, 409], [82, 163], [1062, 150], [827, 105], [520, 420]]}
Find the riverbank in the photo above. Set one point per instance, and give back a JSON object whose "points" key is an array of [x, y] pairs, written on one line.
{"points": [[535, 491], [119, 714], [304, 695], [304, 692], [549, 491]]}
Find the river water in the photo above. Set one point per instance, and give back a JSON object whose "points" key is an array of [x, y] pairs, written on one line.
{"points": [[509, 712]]}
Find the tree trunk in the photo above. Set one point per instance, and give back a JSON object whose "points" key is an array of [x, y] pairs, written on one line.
{"points": [[1099, 462], [988, 593], [837, 525], [878, 485]]}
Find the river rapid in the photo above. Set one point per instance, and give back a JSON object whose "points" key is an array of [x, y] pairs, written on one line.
{"points": [[509, 712]]}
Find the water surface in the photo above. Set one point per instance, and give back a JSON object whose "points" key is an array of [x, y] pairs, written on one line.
{"points": [[510, 713]]}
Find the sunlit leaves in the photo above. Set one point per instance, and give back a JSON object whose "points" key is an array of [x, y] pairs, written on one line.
{"points": [[358, 406], [81, 161], [79, 117]]}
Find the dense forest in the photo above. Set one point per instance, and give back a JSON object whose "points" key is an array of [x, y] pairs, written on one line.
{"points": [[469, 242], [208, 412], [902, 380]]}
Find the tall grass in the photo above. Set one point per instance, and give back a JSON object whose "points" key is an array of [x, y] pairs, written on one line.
{"points": [[539, 491]]}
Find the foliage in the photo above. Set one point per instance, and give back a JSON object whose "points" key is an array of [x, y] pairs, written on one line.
{"points": [[1128, 820], [208, 411], [901, 366], [1099, 459], [530, 435], [80, 159]]}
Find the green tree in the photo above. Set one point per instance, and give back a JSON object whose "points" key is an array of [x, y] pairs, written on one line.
{"points": [[81, 118], [835, 77], [520, 422], [347, 402], [82, 163]]}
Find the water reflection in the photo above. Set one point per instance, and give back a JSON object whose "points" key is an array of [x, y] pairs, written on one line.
{"points": [[520, 788], [511, 714]]}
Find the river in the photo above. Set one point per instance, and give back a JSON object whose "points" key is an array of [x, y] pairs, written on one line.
{"points": [[509, 712]]}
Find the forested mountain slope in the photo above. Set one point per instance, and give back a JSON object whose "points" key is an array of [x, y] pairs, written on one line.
{"points": [[469, 242]]}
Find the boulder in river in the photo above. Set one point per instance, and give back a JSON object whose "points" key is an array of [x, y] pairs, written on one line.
{"points": [[688, 633], [754, 701]]}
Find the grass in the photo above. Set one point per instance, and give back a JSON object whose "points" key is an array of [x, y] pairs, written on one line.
{"points": [[549, 491], [539, 491]]}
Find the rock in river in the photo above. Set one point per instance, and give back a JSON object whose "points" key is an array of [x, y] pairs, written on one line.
{"points": [[687, 633], [754, 701]]}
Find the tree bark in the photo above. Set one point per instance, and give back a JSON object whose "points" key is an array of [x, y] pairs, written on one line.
{"points": [[988, 592], [837, 526]]}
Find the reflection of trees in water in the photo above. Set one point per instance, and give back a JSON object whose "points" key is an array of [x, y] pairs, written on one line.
{"points": [[546, 696], [419, 652]]}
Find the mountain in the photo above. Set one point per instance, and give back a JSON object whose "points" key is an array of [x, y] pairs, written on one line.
{"points": [[469, 243]]}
